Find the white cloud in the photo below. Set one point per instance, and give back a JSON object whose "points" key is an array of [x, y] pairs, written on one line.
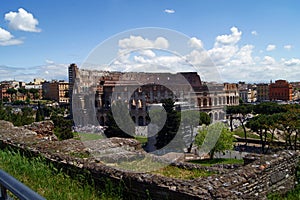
{"points": [[7, 39], [195, 43], [231, 39], [22, 20], [288, 47], [48, 72], [49, 61], [292, 62], [148, 53], [137, 42], [254, 33], [197, 57], [243, 57], [227, 59], [268, 60], [169, 11], [271, 47]]}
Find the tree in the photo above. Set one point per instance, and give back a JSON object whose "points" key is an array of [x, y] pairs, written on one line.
{"points": [[120, 124], [240, 112], [190, 119], [214, 138], [268, 108], [34, 92], [23, 91], [62, 127], [259, 125], [170, 128], [204, 118], [288, 122], [39, 114], [11, 92]]}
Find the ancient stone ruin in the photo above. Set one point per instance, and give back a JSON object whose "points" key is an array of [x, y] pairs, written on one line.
{"points": [[261, 175]]}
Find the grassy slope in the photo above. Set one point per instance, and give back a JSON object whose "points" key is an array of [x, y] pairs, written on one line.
{"points": [[46, 180]]}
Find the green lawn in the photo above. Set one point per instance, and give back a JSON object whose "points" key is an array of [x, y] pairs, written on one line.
{"points": [[142, 139], [176, 172], [214, 161], [239, 132], [87, 136], [48, 181]]}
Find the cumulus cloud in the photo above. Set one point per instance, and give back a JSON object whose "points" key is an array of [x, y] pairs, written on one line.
{"points": [[136, 42], [197, 57], [271, 47], [287, 47], [227, 59], [268, 60], [195, 43], [230, 39], [7, 39], [243, 57], [148, 53], [22, 20], [169, 11], [292, 62], [254, 33]]}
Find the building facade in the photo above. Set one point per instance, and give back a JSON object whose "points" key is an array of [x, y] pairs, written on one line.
{"points": [[280, 90], [4, 96], [57, 91], [262, 92], [95, 91]]}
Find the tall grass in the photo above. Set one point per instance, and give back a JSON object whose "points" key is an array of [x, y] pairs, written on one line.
{"points": [[50, 182]]}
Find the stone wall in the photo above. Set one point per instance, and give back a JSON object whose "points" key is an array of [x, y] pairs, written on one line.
{"points": [[262, 175]]}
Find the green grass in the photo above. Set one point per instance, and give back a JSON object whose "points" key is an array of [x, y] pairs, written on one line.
{"points": [[176, 172], [87, 136], [142, 139], [145, 164], [47, 180], [214, 161], [239, 132], [291, 195]]}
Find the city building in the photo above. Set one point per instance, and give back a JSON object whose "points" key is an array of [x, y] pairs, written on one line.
{"points": [[280, 90], [247, 92], [262, 92], [38, 81], [296, 91], [4, 96], [57, 91]]}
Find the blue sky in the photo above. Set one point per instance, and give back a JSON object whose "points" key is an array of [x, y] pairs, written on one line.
{"points": [[40, 38]]}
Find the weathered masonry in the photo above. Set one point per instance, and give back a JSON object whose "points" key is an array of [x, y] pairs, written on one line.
{"points": [[262, 175], [94, 91]]}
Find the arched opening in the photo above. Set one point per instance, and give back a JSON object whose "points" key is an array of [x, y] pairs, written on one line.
{"points": [[204, 102], [199, 102], [221, 115], [216, 116], [210, 116], [141, 121]]}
